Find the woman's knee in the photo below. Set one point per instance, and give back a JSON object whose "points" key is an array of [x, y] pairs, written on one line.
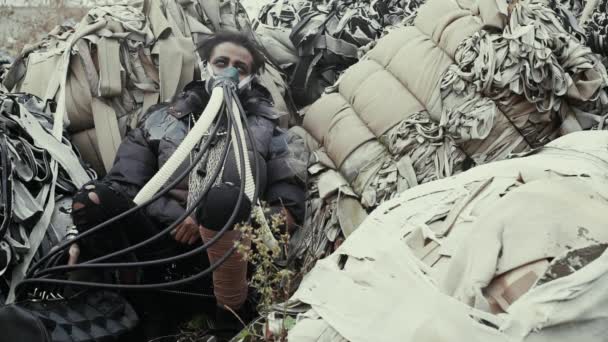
{"points": [[219, 204]]}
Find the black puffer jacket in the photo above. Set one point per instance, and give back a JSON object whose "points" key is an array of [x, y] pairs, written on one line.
{"points": [[160, 131]]}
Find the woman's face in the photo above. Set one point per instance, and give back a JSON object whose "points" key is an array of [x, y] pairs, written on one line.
{"points": [[229, 54]]}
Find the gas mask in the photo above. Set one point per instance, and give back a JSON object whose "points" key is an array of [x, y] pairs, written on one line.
{"points": [[230, 73]]}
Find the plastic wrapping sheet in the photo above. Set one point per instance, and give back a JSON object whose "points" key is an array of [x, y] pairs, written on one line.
{"points": [[359, 292]]}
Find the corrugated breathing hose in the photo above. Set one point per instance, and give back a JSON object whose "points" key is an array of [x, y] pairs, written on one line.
{"points": [[184, 149], [237, 112]]}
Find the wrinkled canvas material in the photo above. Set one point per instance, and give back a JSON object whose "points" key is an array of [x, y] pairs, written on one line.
{"points": [[448, 239]]}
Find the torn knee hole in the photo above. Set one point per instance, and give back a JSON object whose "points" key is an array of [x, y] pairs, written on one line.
{"points": [[77, 206], [94, 197], [91, 196]]}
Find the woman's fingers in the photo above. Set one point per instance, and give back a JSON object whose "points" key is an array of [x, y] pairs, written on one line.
{"points": [[193, 238], [180, 232], [187, 232]]}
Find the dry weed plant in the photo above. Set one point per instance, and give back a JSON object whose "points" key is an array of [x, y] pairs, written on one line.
{"points": [[273, 283]]}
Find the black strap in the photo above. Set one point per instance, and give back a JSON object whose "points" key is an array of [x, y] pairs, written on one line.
{"points": [[6, 195], [300, 79], [295, 36], [336, 46]]}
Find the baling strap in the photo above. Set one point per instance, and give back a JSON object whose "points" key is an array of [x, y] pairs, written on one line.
{"points": [[108, 133], [108, 53]]}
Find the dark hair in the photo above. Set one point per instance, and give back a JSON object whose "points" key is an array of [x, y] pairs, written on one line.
{"points": [[206, 46]]}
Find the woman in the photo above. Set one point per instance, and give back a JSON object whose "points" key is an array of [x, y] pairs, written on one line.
{"points": [[147, 147]]}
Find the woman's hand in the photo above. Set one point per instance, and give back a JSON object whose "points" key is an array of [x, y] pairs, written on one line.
{"points": [[186, 232]]}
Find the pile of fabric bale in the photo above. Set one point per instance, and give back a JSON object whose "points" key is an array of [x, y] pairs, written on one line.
{"points": [[468, 84], [508, 251]]}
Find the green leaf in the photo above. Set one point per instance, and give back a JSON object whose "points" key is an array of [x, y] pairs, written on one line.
{"points": [[289, 322], [244, 334]]}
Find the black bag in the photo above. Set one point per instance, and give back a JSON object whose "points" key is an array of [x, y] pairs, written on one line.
{"points": [[18, 324], [90, 316]]}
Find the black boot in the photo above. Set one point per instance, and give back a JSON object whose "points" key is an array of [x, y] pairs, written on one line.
{"points": [[227, 324]]}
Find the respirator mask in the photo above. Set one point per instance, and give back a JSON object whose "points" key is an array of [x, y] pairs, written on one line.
{"points": [[229, 74]]}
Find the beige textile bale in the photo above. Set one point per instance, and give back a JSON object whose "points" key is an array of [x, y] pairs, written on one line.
{"points": [[434, 12], [318, 117], [360, 166], [447, 23], [346, 133], [356, 76], [377, 96], [423, 80], [309, 141], [398, 78]]}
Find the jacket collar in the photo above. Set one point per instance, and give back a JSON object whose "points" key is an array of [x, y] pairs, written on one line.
{"points": [[256, 100]]}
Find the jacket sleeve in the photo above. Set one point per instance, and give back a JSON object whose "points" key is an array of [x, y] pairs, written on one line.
{"points": [[261, 133], [165, 210], [290, 196], [285, 173], [135, 164]]}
